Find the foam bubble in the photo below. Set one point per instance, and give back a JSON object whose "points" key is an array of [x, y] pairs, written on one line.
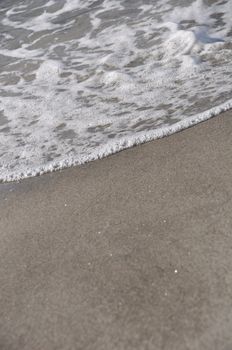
{"points": [[180, 43], [49, 71]]}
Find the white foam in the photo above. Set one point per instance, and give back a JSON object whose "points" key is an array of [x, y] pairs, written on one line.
{"points": [[114, 147], [87, 79], [49, 71], [196, 11], [180, 43]]}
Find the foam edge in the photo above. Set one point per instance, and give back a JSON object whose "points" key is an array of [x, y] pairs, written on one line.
{"points": [[125, 143]]}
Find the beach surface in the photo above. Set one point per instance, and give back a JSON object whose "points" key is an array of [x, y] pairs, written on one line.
{"points": [[130, 252]]}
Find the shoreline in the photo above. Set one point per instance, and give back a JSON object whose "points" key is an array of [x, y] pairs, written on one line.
{"points": [[129, 252], [124, 144]]}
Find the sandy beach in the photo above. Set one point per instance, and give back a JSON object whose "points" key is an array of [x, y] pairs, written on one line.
{"points": [[131, 252]]}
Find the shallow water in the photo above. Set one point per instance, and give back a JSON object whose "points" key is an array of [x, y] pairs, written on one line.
{"points": [[81, 79]]}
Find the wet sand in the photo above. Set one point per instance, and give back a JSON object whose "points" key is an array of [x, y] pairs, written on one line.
{"points": [[125, 253]]}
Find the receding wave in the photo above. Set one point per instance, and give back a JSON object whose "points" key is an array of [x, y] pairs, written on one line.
{"points": [[82, 79]]}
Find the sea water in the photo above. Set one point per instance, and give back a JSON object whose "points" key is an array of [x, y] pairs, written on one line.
{"points": [[82, 79]]}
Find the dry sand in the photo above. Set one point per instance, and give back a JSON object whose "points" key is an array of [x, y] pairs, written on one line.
{"points": [[132, 252]]}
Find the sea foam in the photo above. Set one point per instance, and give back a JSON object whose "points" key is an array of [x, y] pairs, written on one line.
{"points": [[80, 80]]}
